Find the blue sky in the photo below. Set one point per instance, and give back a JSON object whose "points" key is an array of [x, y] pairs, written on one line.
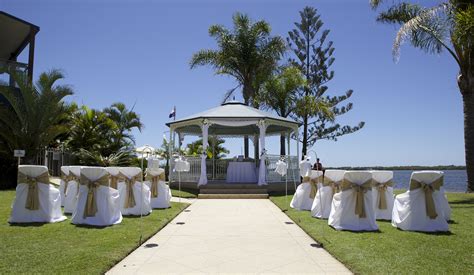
{"points": [[138, 52]]}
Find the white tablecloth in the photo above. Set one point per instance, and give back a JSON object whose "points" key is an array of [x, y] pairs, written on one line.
{"points": [[241, 172]]}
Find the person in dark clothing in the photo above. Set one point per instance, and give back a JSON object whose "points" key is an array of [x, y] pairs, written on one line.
{"points": [[318, 166]]}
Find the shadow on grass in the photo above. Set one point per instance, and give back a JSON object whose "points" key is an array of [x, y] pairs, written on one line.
{"points": [[439, 233], [356, 232], [29, 224], [135, 217], [92, 226], [464, 201]]}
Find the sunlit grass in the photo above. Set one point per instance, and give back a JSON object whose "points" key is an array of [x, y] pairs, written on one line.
{"points": [[66, 248], [395, 251]]}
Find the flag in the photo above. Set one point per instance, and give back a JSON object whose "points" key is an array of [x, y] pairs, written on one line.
{"points": [[173, 112]]}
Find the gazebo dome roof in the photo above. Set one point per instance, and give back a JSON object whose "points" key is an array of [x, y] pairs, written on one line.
{"points": [[236, 113]]}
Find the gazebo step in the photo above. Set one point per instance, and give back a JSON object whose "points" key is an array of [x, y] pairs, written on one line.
{"points": [[232, 191], [231, 186], [233, 196]]}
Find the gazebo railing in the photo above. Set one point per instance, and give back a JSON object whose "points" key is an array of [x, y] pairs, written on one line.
{"points": [[194, 171], [217, 169], [292, 172]]}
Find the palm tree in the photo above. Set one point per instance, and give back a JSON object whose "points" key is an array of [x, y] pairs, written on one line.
{"points": [[32, 115], [93, 131], [448, 26], [247, 53], [126, 121], [215, 149], [280, 93]]}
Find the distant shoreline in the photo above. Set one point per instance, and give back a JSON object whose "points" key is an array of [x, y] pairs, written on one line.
{"points": [[414, 167]]}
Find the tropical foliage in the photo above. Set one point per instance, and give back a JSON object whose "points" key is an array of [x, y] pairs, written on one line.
{"points": [[31, 117], [448, 26], [103, 138], [248, 53], [313, 55], [280, 94], [214, 150]]}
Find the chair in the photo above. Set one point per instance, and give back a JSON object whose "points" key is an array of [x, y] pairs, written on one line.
{"points": [[70, 199], [97, 203], [114, 176], [382, 191], [160, 192], [135, 196], [306, 191], [36, 199], [327, 188], [64, 182], [352, 208], [424, 206]]}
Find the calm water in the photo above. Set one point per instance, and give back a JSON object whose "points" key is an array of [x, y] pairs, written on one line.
{"points": [[454, 180]]}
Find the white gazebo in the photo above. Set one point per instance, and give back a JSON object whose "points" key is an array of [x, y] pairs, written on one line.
{"points": [[234, 119]]}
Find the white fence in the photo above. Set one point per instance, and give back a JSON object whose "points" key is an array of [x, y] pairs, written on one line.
{"points": [[53, 159], [217, 169]]}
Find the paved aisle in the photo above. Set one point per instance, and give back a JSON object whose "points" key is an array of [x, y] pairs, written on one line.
{"points": [[230, 236]]}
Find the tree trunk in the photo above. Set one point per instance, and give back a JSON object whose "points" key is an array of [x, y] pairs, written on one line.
{"points": [[467, 91], [305, 137], [246, 138], [282, 145]]}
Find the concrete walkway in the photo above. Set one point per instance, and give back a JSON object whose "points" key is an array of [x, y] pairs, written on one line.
{"points": [[230, 236]]}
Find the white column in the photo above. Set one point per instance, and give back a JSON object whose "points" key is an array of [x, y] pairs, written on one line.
{"points": [[297, 133], [262, 171], [205, 142], [288, 138], [170, 154]]}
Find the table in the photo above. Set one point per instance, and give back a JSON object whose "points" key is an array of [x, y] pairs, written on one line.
{"points": [[241, 172]]}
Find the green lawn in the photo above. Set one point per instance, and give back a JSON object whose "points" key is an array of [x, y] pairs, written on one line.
{"points": [[66, 248], [189, 194], [395, 251]]}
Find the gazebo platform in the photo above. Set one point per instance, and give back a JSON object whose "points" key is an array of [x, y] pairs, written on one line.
{"points": [[223, 190]]}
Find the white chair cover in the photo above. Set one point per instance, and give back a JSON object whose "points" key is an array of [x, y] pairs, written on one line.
{"points": [[164, 191], [141, 193], [383, 177], [49, 209], [113, 172], [72, 191], [302, 200], [62, 184], [106, 198], [343, 210], [409, 209], [322, 203]]}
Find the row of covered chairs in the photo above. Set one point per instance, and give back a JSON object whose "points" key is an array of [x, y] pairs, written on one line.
{"points": [[93, 195], [354, 200]]}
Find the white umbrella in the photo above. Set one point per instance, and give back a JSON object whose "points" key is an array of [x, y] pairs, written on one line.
{"points": [[145, 149]]}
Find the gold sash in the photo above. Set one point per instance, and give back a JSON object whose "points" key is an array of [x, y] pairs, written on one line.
{"points": [[314, 187], [114, 180], [428, 190], [32, 199], [91, 205], [66, 179], [359, 191], [334, 185], [382, 188], [130, 198], [154, 184]]}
